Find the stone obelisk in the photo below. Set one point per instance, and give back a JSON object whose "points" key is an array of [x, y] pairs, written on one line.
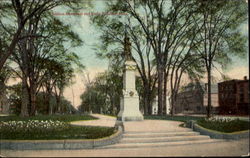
{"points": [[129, 108]]}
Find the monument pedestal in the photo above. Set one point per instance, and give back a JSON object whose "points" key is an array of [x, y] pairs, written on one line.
{"points": [[129, 110]]}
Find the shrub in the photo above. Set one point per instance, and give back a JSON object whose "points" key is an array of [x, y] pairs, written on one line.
{"points": [[223, 124]]}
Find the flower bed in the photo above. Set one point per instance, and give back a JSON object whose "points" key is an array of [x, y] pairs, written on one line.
{"points": [[32, 125], [63, 118], [50, 129], [224, 124]]}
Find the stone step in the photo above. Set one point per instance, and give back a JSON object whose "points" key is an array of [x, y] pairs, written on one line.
{"points": [[163, 139], [162, 131], [159, 134], [159, 144]]}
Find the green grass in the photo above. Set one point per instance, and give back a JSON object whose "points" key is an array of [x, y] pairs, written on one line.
{"points": [[64, 118], [226, 127], [72, 132], [174, 118], [67, 132]]}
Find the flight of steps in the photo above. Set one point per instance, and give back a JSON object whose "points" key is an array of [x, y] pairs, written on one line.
{"points": [[162, 138]]}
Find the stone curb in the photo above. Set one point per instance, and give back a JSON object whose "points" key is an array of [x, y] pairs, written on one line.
{"points": [[215, 134], [67, 144]]}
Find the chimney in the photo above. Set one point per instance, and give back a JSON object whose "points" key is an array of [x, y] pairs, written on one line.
{"points": [[245, 77]]}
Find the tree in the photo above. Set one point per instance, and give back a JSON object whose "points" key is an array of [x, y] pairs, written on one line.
{"points": [[5, 74], [59, 72], [104, 93], [15, 94], [190, 65], [23, 11], [159, 27], [220, 37], [32, 54]]}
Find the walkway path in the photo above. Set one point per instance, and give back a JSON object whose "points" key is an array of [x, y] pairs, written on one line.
{"points": [[157, 133], [104, 120], [147, 138], [230, 148]]}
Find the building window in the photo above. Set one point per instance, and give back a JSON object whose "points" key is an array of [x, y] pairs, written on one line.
{"points": [[241, 89], [198, 108], [241, 98]]}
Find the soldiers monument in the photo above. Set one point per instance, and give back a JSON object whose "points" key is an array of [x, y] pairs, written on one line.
{"points": [[129, 107]]}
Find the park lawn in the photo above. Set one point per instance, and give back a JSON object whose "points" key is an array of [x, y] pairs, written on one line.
{"points": [[173, 118], [226, 127], [49, 127], [72, 132], [64, 118]]}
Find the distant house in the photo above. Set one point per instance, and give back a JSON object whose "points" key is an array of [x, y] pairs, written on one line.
{"points": [[234, 97], [193, 99]]}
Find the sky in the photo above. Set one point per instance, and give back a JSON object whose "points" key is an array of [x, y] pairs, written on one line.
{"points": [[89, 34]]}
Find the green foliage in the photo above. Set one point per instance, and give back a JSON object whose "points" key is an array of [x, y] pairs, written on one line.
{"points": [[221, 37], [103, 95], [63, 118], [173, 118], [42, 106], [71, 132], [50, 127], [43, 50], [15, 92], [225, 126]]}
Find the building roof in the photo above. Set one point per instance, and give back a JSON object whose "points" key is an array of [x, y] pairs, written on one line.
{"points": [[235, 80], [202, 86], [214, 87]]}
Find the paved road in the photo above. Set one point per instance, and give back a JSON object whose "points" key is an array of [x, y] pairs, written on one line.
{"points": [[225, 148]]}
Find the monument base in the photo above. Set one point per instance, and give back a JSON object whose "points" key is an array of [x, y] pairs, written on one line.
{"points": [[130, 118], [130, 109]]}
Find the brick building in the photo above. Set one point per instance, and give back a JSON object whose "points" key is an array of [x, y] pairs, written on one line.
{"points": [[234, 97], [193, 99]]}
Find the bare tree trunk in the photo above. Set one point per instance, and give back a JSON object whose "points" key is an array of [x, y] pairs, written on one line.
{"points": [[149, 102], [32, 100], [145, 99], [58, 101], [209, 92], [172, 104], [145, 104], [165, 93], [50, 109], [24, 98], [160, 90], [172, 91], [50, 105], [48, 97]]}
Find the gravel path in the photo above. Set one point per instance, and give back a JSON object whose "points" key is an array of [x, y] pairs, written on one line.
{"points": [[104, 121]]}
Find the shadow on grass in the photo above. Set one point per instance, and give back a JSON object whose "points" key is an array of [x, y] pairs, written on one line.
{"points": [[71, 132], [173, 118], [63, 118]]}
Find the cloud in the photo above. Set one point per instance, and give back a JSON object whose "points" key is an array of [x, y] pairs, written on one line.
{"points": [[238, 72]]}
